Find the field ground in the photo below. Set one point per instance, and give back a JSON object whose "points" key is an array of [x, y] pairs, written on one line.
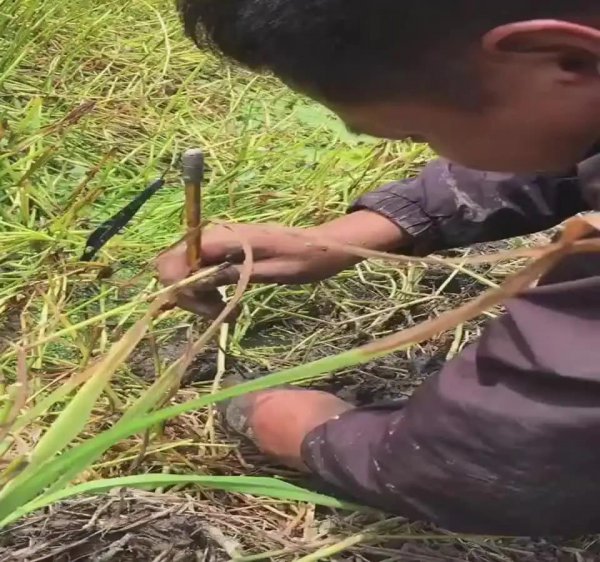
{"points": [[97, 100]]}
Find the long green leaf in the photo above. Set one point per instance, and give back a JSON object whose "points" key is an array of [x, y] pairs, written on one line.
{"points": [[67, 466], [75, 415], [47, 402], [252, 485]]}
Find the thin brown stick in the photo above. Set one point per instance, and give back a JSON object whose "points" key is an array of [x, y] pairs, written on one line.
{"points": [[193, 170], [22, 392], [579, 246], [574, 229]]}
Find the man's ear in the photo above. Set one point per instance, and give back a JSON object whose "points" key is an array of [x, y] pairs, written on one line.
{"points": [[575, 46]]}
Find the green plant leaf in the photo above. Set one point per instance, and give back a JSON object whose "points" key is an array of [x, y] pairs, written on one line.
{"points": [[75, 415], [67, 466], [252, 485], [32, 120]]}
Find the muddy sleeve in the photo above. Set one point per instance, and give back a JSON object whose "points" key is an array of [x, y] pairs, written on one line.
{"points": [[449, 206], [500, 441]]}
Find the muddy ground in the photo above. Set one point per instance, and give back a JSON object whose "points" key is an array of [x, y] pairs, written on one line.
{"points": [[130, 526]]}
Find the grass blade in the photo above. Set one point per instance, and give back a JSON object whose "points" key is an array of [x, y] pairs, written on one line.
{"points": [[253, 485], [76, 414]]}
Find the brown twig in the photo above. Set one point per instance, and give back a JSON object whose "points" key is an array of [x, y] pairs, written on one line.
{"points": [[574, 229], [22, 393]]}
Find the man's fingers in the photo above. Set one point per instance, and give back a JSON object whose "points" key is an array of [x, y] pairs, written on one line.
{"points": [[204, 299], [172, 265], [279, 271], [208, 304], [273, 270], [235, 256], [228, 276], [224, 243]]}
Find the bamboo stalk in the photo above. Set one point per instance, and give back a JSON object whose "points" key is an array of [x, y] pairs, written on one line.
{"points": [[193, 170]]}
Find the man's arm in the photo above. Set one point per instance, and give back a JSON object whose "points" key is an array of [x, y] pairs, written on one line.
{"points": [[450, 206], [446, 206], [508, 424]]}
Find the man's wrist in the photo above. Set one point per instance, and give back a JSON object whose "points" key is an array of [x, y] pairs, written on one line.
{"points": [[367, 229]]}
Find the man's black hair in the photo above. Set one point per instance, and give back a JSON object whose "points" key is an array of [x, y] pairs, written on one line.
{"points": [[363, 50]]}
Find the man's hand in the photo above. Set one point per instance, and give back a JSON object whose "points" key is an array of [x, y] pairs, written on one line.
{"points": [[282, 255]]}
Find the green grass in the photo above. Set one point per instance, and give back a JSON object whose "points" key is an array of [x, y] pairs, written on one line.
{"points": [[272, 156], [96, 101]]}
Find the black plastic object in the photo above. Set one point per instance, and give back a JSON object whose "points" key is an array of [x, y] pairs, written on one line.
{"points": [[117, 222]]}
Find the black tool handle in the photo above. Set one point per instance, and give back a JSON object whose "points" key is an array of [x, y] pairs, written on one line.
{"points": [[117, 222]]}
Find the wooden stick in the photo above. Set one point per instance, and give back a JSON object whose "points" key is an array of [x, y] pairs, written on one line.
{"points": [[193, 171]]}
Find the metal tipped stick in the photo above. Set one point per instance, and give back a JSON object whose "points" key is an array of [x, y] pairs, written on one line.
{"points": [[193, 171]]}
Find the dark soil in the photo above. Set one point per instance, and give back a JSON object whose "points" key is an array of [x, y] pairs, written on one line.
{"points": [[134, 526], [391, 377], [142, 360], [127, 527], [10, 326]]}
